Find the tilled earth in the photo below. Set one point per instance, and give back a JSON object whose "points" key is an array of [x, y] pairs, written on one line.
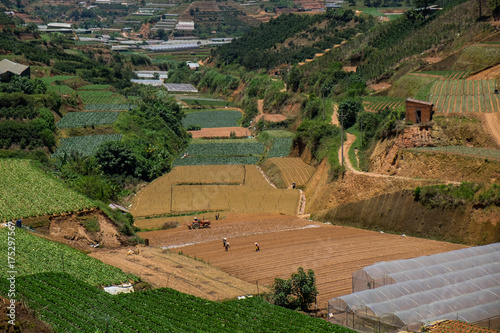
{"points": [[286, 243]]}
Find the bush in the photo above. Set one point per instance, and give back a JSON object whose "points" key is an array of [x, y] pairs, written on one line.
{"points": [[297, 292]]}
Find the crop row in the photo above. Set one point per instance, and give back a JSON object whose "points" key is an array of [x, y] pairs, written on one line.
{"points": [[216, 160], [25, 191], [101, 97], [61, 89], [96, 87], [226, 148], [109, 107], [38, 255], [71, 305], [377, 106], [80, 119], [463, 87], [86, 145], [280, 148], [466, 104], [206, 102], [449, 75], [487, 153], [211, 119]]}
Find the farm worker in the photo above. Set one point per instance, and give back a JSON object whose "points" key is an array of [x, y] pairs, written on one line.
{"points": [[293, 186], [195, 219], [224, 241], [257, 248], [227, 246]]}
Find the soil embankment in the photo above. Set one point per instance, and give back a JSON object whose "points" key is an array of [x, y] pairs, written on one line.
{"points": [[400, 213]]}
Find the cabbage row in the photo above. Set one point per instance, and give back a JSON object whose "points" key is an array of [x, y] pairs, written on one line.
{"points": [[86, 145], [80, 119]]}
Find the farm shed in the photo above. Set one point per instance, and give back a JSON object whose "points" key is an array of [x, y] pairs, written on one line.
{"points": [[459, 285], [418, 111], [9, 68]]}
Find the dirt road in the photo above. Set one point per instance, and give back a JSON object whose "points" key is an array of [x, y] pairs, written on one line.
{"points": [[493, 126]]}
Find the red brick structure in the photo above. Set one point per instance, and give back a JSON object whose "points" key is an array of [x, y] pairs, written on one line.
{"points": [[418, 111]]}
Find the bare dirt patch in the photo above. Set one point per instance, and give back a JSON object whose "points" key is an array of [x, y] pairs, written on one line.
{"points": [[274, 118], [492, 126], [220, 132], [286, 243], [25, 321], [490, 73], [167, 269], [380, 86]]}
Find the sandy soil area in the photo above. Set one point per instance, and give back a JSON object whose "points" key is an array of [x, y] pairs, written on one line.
{"points": [[220, 132]]}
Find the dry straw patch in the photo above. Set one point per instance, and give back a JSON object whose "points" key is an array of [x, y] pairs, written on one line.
{"points": [[235, 188]]}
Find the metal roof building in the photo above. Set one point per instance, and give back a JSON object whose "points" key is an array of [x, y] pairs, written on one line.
{"points": [[9, 68], [180, 87]]}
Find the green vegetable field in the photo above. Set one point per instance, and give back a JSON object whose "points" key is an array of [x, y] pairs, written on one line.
{"points": [[211, 119], [109, 107], [375, 104], [216, 160], [206, 102], [80, 119], [95, 87], [38, 255], [101, 97], [26, 191], [225, 149], [229, 151], [86, 145], [280, 148], [71, 305], [465, 96], [61, 90]]}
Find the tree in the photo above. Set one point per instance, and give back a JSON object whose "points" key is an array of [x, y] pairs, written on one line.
{"points": [[349, 109], [297, 292], [117, 158]]}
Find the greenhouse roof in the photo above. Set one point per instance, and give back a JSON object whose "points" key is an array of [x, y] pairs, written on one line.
{"points": [[465, 286]]}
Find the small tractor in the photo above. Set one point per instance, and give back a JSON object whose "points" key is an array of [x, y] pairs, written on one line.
{"points": [[204, 223]]}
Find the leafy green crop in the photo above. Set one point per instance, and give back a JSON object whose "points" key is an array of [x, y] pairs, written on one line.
{"points": [[38, 255], [86, 145], [52, 79], [280, 148], [211, 119], [109, 107], [26, 190], [225, 149], [71, 305], [101, 97], [61, 89], [80, 119]]}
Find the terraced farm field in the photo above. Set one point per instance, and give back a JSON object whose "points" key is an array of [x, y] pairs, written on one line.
{"points": [[285, 171], [86, 145], [80, 119], [377, 104], [212, 119], [71, 305], [218, 152], [286, 243], [26, 191], [236, 188], [101, 97], [465, 96]]}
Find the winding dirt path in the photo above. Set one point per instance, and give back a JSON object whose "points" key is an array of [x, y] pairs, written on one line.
{"points": [[347, 145], [493, 125]]}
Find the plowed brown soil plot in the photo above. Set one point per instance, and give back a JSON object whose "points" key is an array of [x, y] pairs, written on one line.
{"points": [[220, 132], [286, 243]]}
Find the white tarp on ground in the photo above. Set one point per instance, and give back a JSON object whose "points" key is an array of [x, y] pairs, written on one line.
{"points": [[125, 288]]}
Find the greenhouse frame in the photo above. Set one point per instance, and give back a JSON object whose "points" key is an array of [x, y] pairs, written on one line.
{"points": [[459, 285]]}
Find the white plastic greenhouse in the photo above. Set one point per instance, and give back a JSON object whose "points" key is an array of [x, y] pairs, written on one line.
{"points": [[460, 285]]}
